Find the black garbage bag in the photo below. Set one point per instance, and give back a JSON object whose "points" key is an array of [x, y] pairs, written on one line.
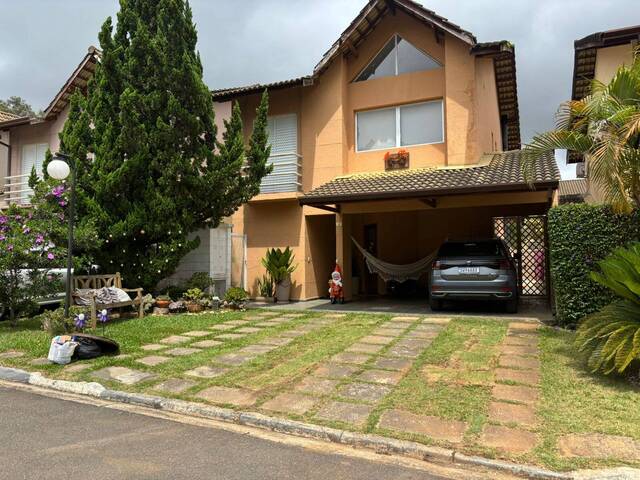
{"points": [[92, 346]]}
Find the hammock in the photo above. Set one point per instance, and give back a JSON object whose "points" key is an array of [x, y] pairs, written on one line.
{"points": [[399, 273]]}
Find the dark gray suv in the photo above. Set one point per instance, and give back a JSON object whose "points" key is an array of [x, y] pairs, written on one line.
{"points": [[472, 270]]}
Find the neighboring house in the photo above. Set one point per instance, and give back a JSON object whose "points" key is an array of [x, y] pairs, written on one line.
{"points": [[29, 139], [572, 191], [26, 141], [400, 77], [598, 57]]}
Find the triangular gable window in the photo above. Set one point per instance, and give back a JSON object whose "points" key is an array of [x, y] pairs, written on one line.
{"points": [[398, 56]]}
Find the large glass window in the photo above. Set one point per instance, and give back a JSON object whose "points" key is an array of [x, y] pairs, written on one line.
{"points": [[421, 123], [402, 126], [377, 129], [398, 56]]}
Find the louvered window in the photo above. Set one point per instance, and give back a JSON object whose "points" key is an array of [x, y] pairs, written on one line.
{"points": [[32, 156], [287, 166]]}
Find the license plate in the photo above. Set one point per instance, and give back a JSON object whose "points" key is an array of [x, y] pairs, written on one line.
{"points": [[468, 270]]}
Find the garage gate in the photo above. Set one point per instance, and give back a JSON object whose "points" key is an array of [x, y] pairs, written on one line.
{"points": [[527, 240]]}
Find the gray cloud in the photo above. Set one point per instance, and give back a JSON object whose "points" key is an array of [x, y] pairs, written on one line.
{"points": [[249, 41]]}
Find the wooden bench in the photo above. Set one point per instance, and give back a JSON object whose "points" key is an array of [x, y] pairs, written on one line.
{"points": [[96, 282]]}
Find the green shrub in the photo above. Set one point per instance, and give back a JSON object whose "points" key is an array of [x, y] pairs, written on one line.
{"points": [[611, 336], [265, 286], [581, 235], [200, 280], [193, 295], [236, 295], [55, 323]]}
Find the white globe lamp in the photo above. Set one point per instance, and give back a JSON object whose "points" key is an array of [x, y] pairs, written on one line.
{"points": [[58, 169]]}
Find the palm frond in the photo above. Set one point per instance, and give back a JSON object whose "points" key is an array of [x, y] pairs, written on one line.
{"points": [[611, 336]]}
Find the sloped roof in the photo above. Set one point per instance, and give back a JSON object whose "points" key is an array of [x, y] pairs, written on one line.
{"points": [[584, 63], [4, 116], [572, 188], [500, 171], [78, 79], [223, 94], [372, 14]]}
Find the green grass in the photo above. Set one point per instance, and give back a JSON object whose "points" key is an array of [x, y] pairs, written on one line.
{"points": [[451, 379], [577, 401]]}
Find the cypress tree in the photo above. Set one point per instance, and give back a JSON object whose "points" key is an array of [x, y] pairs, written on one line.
{"points": [[155, 172]]}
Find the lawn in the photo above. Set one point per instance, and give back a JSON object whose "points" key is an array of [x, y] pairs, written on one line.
{"points": [[483, 386]]}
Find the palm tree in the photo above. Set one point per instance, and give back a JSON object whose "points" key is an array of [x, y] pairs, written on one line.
{"points": [[605, 127]]}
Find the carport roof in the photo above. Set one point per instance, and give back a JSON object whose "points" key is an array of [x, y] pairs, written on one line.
{"points": [[496, 172]]}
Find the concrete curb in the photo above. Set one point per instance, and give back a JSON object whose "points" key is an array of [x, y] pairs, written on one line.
{"points": [[376, 443]]}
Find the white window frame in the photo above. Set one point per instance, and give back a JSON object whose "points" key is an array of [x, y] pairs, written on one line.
{"points": [[398, 132], [395, 37]]}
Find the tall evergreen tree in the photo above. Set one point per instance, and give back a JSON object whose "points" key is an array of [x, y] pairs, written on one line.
{"points": [[155, 172]]}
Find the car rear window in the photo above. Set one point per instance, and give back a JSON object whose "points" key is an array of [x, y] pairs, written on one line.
{"points": [[470, 249]]}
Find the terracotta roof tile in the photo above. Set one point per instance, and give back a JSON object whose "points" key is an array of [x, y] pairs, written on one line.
{"points": [[497, 172], [4, 116], [577, 187]]}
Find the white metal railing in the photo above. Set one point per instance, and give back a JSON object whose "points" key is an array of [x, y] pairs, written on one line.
{"points": [[286, 175], [15, 189]]}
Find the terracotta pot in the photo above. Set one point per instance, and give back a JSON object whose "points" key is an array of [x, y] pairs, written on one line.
{"points": [[194, 307], [163, 303]]}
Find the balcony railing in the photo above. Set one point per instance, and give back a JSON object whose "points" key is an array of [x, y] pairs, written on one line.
{"points": [[286, 175], [15, 189]]}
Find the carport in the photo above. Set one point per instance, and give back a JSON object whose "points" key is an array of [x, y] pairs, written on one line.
{"points": [[401, 216]]}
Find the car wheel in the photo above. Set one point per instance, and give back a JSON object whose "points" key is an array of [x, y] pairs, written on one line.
{"points": [[512, 306], [435, 304]]}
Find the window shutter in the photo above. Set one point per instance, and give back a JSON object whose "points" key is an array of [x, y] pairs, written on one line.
{"points": [[283, 137]]}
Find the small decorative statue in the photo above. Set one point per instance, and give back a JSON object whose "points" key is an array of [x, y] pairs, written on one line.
{"points": [[335, 286]]}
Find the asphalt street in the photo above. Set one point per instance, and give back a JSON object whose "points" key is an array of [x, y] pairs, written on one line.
{"points": [[47, 438]]}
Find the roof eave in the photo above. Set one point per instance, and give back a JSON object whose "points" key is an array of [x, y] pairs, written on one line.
{"points": [[91, 57], [16, 122]]}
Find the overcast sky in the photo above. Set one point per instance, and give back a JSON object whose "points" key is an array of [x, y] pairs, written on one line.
{"points": [[248, 41]]}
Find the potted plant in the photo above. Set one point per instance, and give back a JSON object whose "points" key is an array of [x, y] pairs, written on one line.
{"points": [[163, 301], [235, 298], [265, 289], [192, 297], [279, 266]]}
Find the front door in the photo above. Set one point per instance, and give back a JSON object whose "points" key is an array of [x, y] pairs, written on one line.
{"points": [[371, 245]]}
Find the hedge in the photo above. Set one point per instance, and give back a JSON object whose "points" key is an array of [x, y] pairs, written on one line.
{"points": [[580, 235]]}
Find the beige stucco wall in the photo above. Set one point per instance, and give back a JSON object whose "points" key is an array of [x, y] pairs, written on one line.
{"points": [[610, 59], [41, 132]]}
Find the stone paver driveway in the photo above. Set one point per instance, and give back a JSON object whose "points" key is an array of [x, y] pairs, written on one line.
{"points": [[346, 372]]}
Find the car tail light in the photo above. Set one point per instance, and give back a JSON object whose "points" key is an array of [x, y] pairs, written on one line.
{"points": [[505, 264], [435, 265], [506, 289]]}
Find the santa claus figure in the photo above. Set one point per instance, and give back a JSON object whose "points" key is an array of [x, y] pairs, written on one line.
{"points": [[335, 286]]}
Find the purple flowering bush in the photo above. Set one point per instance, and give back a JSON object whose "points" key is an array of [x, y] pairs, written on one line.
{"points": [[33, 244]]}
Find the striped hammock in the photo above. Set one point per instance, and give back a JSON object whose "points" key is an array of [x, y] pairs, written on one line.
{"points": [[398, 273]]}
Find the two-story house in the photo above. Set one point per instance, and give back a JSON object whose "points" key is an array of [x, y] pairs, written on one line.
{"points": [[405, 134], [597, 57]]}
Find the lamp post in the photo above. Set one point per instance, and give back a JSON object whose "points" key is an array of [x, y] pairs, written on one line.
{"points": [[60, 168]]}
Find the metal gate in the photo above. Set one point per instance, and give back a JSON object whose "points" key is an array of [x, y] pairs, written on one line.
{"points": [[526, 238]]}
